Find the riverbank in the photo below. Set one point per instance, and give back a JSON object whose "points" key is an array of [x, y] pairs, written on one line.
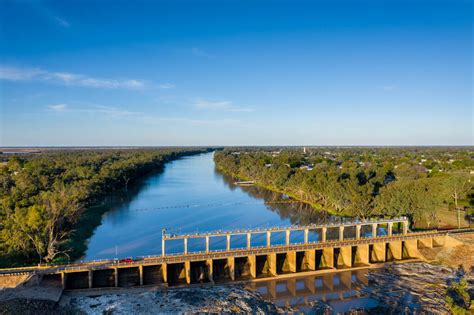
{"points": [[82, 180]]}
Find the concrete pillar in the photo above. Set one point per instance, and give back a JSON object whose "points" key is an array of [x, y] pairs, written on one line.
{"points": [[390, 228], [358, 228], [362, 255], [341, 233], [411, 249], [291, 256], [90, 278], [269, 242], [249, 240], [231, 267], [395, 250], [116, 278], [228, 242], [185, 245], [163, 251], [140, 271], [306, 236], [272, 263], [252, 259], [207, 244], [374, 229], [405, 227], [210, 270], [287, 239], [327, 259], [378, 253], [187, 271], [311, 259], [324, 231], [63, 279], [344, 260], [425, 243], [439, 241], [164, 270]]}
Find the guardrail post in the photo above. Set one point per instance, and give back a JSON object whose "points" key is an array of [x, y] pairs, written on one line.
{"points": [[269, 242], [358, 228], [249, 240], [374, 229], [306, 236], [405, 227], [228, 242], [207, 244], [185, 245], [390, 228], [288, 232], [116, 277], [324, 231], [163, 252], [341, 232]]}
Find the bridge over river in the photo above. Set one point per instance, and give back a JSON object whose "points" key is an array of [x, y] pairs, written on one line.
{"points": [[327, 255]]}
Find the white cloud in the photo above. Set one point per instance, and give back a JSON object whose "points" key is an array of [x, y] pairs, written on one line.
{"points": [[72, 79], [198, 52], [61, 21], [167, 86], [220, 106], [58, 107], [95, 109]]}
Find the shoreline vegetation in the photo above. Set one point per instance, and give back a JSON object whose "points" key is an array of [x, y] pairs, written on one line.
{"points": [[420, 183], [52, 201]]}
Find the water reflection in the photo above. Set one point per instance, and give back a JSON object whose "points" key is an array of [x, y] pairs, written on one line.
{"points": [[340, 291]]}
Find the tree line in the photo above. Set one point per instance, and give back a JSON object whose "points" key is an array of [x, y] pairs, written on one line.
{"points": [[360, 182], [43, 196]]}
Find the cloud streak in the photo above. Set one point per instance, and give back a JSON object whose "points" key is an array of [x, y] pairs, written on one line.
{"points": [[226, 106], [95, 109], [67, 78]]}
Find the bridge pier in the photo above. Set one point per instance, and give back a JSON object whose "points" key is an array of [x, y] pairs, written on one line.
{"points": [[394, 251], [425, 243], [310, 256], [378, 253], [116, 279], [140, 274], [272, 262], [231, 267], [410, 249], [344, 259], [362, 255], [187, 271], [90, 278]]}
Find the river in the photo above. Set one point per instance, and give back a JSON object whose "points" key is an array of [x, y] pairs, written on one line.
{"points": [[189, 195]]}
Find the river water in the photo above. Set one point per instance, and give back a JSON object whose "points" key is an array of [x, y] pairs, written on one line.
{"points": [[189, 195]]}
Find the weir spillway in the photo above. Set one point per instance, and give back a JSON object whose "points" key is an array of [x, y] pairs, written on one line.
{"points": [[250, 263]]}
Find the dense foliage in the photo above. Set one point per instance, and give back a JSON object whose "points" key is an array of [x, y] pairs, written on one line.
{"points": [[42, 196], [361, 182]]}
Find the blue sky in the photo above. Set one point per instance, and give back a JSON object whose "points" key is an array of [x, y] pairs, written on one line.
{"points": [[236, 73]]}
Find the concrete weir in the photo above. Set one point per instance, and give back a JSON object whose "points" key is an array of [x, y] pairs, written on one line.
{"points": [[251, 263]]}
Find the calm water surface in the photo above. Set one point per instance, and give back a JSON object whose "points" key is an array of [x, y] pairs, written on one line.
{"points": [[189, 195]]}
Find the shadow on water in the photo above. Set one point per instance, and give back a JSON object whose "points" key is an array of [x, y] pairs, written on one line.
{"points": [[299, 213]]}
